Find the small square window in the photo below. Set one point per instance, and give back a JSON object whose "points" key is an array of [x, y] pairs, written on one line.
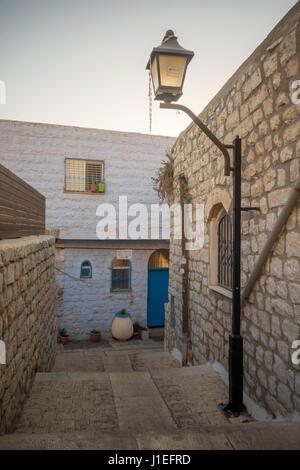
{"points": [[84, 176]]}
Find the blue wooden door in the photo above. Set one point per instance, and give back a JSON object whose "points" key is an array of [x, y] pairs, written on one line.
{"points": [[158, 280]]}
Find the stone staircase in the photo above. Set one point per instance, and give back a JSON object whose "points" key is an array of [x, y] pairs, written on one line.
{"points": [[135, 396]]}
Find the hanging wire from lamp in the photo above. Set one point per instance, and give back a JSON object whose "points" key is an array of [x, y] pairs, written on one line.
{"points": [[150, 103]]}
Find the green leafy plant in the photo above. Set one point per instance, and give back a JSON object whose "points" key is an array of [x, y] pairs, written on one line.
{"points": [[62, 332], [95, 332], [123, 312], [136, 327], [162, 182], [144, 328]]}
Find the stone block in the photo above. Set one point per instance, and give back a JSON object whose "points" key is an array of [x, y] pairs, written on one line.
{"points": [[270, 64]]}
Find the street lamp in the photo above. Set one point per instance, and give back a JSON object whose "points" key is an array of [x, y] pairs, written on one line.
{"points": [[168, 64]]}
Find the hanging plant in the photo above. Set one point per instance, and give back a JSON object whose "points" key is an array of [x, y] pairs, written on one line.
{"points": [[162, 182]]}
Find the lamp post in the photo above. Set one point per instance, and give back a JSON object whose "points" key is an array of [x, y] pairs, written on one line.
{"points": [[167, 64]]}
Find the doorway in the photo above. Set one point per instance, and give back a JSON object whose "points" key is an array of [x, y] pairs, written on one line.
{"points": [[158, 282]]}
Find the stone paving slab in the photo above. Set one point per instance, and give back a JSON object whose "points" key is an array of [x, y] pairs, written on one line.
{"points": [[193, 395], [139, 384], [118, 352], [72, 403], [135, 414], [263, 435], [185, 441], [79, 361], [117, 363], [152, 361], [69, 441]]}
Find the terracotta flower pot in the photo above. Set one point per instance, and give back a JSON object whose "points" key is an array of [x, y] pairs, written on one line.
{"points": [[64, 339], [95, 337], [145, 334], [93, 187], [122, 327]]}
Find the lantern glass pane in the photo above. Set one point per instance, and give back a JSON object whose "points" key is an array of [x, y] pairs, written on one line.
{"points": [[172, 70], [154, 74]]}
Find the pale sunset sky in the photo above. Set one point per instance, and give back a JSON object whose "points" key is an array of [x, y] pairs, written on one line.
{"points": [[82, 62]]}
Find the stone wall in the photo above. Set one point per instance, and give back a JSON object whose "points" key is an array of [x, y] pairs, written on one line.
{"points": [[27, 318], [256, 104]]}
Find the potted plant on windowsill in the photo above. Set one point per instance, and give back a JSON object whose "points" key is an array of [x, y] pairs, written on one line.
{"points": [[144, 332], [95, 336], [122, 327], [101, 187], [63, 335], [93, 187]]}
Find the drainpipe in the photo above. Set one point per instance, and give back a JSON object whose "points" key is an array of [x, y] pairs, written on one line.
{"points": [[283, 216], [185, 277]]}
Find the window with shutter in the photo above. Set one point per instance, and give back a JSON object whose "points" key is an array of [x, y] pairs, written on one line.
{"points": [[225, 251], [84, 176], [120, 275]]}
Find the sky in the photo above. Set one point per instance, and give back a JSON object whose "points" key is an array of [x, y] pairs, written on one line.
{"points": [[82, 62]]}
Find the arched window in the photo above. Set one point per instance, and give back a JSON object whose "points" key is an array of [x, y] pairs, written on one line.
{"points": [[120, 275], [86, 270], [225, 251], [159, 259]]}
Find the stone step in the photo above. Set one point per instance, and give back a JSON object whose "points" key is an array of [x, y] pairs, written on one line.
{"points": [[157, 333], [149, 400], [154, 343], [155, 399], [248, 436], [100, 401], [98, 360]]}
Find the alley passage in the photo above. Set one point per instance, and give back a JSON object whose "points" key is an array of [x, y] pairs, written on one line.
{"points": [[135, 396]]}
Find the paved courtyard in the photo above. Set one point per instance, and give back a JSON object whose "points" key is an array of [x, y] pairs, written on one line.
{"points": [[134, 396]]}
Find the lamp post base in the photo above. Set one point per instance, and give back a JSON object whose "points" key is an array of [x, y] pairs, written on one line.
{"points": [[235, 405]]}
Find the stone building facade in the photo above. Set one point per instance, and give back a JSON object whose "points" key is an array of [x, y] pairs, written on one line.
{"points": [[28, 323], [37, 153], [257, 103]]}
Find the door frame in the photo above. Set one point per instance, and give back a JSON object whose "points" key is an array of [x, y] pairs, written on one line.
{"points": [[153, 269]]}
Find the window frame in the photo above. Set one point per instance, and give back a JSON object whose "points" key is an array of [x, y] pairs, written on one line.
{"points": [[161, 255], [91, 270], [226, 275], [85, 191], [129, 277]]}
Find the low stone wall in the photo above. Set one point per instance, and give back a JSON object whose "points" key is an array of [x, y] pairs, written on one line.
{"points": [[27, 318]]}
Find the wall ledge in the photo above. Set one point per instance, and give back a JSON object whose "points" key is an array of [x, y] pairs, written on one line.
{"points": [[221, 290]]}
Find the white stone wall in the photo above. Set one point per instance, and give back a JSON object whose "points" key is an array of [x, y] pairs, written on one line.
{"points": [[36, 153], [88, 304]]}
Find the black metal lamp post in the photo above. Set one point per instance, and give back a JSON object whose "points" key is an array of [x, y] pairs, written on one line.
{"points": [[168, 64]]}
